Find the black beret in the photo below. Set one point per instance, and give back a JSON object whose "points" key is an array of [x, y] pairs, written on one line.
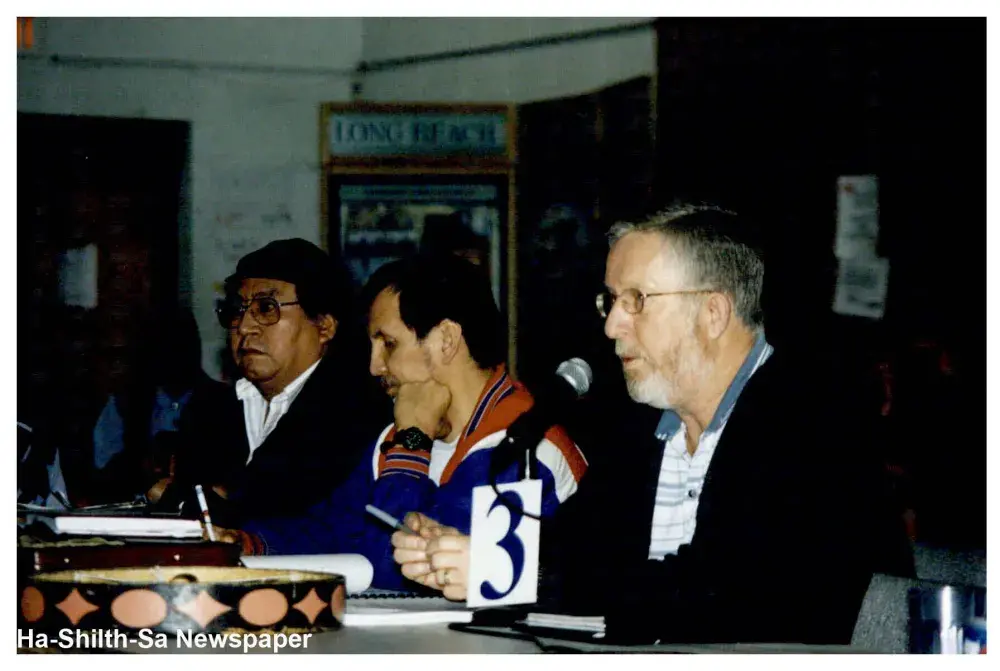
{"points": [[301, 263]]}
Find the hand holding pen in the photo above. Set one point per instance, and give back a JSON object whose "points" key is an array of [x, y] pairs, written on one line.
{"points": [[433, 555]]}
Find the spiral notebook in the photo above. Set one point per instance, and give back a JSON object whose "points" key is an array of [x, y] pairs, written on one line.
{"points": [[375, 593], [367, 606]]}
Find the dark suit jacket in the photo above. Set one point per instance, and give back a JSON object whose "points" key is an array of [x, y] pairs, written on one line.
{"points": [[793, 518], [335, 418]]}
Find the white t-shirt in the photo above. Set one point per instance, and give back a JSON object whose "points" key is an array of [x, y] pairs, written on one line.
{"points": [[440, 456]]}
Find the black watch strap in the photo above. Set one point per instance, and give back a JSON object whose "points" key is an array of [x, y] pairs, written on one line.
{"points": [[411, 439]]}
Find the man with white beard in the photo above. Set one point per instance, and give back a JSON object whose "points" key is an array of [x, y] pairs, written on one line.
{"points": [[687, 334], [756, 510]]}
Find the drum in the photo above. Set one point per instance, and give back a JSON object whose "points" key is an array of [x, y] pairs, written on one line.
{"points": [[182, 599]]}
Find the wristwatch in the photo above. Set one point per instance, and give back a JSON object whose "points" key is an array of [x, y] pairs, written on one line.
{"points": [[411, 439]]}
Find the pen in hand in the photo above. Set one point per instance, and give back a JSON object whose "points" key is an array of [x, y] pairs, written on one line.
{"points": [[389, 519], [203, 504]]}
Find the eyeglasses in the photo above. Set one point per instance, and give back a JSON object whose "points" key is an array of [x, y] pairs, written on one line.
{"points": [[633, 300], [265, 310]]}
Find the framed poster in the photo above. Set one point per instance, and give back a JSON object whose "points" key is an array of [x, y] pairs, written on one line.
{"points": [[405, 178], [376, 219]]}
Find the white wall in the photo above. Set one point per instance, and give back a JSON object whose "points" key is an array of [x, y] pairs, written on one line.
{"points": [[304, 42], [254, 173], [521, 76]]}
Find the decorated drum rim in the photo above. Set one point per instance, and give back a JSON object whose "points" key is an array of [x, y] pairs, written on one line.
{"points": [[183, 598]]}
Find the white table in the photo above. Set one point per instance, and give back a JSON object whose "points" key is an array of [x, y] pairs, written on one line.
{"points": [[423, 639]]}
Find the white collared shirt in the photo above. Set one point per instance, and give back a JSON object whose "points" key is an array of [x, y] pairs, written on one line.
{"points": [[260, 416], [682, 476]]}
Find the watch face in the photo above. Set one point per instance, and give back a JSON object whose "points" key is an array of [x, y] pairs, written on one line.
{"points": [[413, 439]]}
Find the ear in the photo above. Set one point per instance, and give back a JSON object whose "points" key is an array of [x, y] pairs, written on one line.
{"points": [[717, 311], [450, 336], [327, 328]]}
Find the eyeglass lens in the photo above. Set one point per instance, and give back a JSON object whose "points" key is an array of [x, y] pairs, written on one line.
{"points": [[631, 302], [264, 310]]}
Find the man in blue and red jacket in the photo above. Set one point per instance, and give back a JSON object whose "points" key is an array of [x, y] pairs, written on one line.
{"points": [[438, 348]]}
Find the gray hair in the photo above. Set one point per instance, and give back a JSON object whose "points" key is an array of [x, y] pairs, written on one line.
{"points": [[717, 251]]}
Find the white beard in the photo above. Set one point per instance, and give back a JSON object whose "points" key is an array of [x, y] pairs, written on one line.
{"points": [[657, 391], [653, 390]]}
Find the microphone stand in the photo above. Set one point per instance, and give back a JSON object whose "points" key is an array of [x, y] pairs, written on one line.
{"points": [[520, 446]]}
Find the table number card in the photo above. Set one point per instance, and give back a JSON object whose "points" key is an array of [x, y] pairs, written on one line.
{"points": [[504, 544]]}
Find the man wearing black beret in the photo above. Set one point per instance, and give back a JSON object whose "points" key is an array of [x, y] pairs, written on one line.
{"points": [[301, 414]]}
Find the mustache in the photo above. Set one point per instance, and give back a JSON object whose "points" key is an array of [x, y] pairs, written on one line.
{"points": [[245, 347], [623, 351]]}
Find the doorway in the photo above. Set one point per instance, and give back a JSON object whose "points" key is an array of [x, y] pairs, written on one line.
{"points": [[99, 247]]}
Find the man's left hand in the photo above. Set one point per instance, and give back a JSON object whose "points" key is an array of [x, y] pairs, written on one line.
{"points": [[423, 405]]}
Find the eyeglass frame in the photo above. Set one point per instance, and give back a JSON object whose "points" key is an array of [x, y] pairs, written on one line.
{"points": [[641, 297], [245, 306]]}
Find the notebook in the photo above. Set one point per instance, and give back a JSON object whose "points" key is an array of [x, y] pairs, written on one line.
{"points": [[585, 624], [367, 606]]}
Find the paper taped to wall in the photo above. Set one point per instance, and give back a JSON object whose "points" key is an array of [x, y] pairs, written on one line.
{"points": [[862, 285], [857, 216], [78, 277]]}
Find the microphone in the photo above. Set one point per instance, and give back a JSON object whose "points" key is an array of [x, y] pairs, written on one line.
{"points": [[553, 403]]}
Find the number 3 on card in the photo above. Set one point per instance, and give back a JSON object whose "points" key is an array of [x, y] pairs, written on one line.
{"points": [[503, 563]]}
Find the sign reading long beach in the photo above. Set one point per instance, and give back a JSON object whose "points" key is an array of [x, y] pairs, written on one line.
{"points": [[360, 134]]}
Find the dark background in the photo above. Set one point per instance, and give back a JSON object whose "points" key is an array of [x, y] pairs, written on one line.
{"points": [[758, 115], [762, 116]]}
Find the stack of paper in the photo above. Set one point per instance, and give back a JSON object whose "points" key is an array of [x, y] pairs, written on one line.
{"points": [[592, 624], [404, 612], [131, 527]]}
